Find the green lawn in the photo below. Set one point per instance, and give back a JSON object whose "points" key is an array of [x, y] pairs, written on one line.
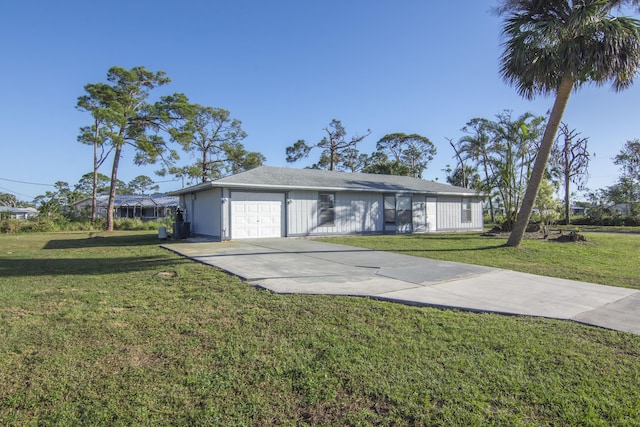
{"points": [[608, 259], [116, 331]]}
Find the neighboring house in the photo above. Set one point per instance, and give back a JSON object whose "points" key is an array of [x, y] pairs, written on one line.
{"points": [[283, 202], [154, 207], [578, 210], [622, 209], [17, 213]]}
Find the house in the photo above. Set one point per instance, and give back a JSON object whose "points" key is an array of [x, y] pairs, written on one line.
{"points": [[578, 210], [284, 202], [154, 207], [17, 213], [622, 209]]}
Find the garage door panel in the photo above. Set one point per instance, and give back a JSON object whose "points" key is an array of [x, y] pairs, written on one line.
{"points": [[255, 215]]}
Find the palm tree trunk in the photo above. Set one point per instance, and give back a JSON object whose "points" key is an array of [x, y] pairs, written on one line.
{"points": [[560, 104]]}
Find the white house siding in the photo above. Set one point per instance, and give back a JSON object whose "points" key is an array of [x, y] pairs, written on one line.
{"points": [[432, 214], [449, 214], [203, 212], [354, 213]]}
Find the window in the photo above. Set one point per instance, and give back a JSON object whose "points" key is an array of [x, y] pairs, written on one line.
{"points": [[397, 210], [403, 211], [466, 209], [326, 209], [389, 209]]}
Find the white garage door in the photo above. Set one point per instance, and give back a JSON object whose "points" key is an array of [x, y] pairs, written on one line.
{"points": [[255, 215]]}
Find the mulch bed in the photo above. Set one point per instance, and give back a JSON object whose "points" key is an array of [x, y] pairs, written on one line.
{"points": [[560, 237]]}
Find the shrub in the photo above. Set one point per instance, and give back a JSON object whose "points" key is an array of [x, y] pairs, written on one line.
{"points": [[135, 224], [48, 224]]}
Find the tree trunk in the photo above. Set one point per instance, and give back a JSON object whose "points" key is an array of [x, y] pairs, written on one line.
{"points": [[488, 183], [94, 190], [204, 166], [112, 190], [567, 201], [96, 165], [522, 220]]}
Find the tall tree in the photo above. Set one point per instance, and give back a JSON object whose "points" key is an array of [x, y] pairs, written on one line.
{"points": [[86, 184], [129, 119], [379, 163], [514, 147], [59, 201], [476, 146], [570, 163], [214, 138], [9, 200], [353, 160], [627, 189], [416, 151], [459, 173], [629, 159], [93, 135], [141, 184], [333, 146], [554, 47], [465, 176]]}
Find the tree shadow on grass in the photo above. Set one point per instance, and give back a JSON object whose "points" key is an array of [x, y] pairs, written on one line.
{"points": [[96, 241], [100, 262], [84, 266], [482, 248], [444, 239]]}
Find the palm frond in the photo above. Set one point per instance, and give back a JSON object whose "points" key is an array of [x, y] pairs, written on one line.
{"points": [[548, 40]]}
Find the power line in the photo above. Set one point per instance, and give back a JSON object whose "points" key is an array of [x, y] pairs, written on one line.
{"points": [[24, 182], [15, 193], [169, 180]]}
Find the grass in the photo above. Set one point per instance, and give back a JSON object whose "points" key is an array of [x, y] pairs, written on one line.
{"points": [[114, 330], [608, 259]]}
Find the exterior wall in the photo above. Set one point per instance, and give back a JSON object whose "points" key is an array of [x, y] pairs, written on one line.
{"points": [[449, 214], [203, 211], [432, 214], [354, 213]]}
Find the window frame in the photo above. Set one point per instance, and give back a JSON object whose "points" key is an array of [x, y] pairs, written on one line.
{"points": [[466, 210], [404, 216], [323, 210], [385, 210]]}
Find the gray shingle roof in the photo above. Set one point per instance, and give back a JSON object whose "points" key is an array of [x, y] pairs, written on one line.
{"points": [[160, 200], [276, 178], [13, 210]]}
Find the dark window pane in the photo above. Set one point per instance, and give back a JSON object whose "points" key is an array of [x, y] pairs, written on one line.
{"points": [[326, 209]]}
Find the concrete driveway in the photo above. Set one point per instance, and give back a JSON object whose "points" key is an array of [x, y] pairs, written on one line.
{"points": [[311, 267]]}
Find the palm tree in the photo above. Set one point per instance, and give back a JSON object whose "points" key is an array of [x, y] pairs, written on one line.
{"points": [[556, 46], [476, 147]]}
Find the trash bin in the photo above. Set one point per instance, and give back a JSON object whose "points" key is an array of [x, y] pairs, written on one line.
{"points": [[181, 230], [162, 233]]}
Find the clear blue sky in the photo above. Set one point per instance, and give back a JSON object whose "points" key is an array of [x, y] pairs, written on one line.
{"points": [[284, 68]]}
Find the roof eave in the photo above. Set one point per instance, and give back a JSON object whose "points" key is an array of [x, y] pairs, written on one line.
{"points": [[235, 185]]}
